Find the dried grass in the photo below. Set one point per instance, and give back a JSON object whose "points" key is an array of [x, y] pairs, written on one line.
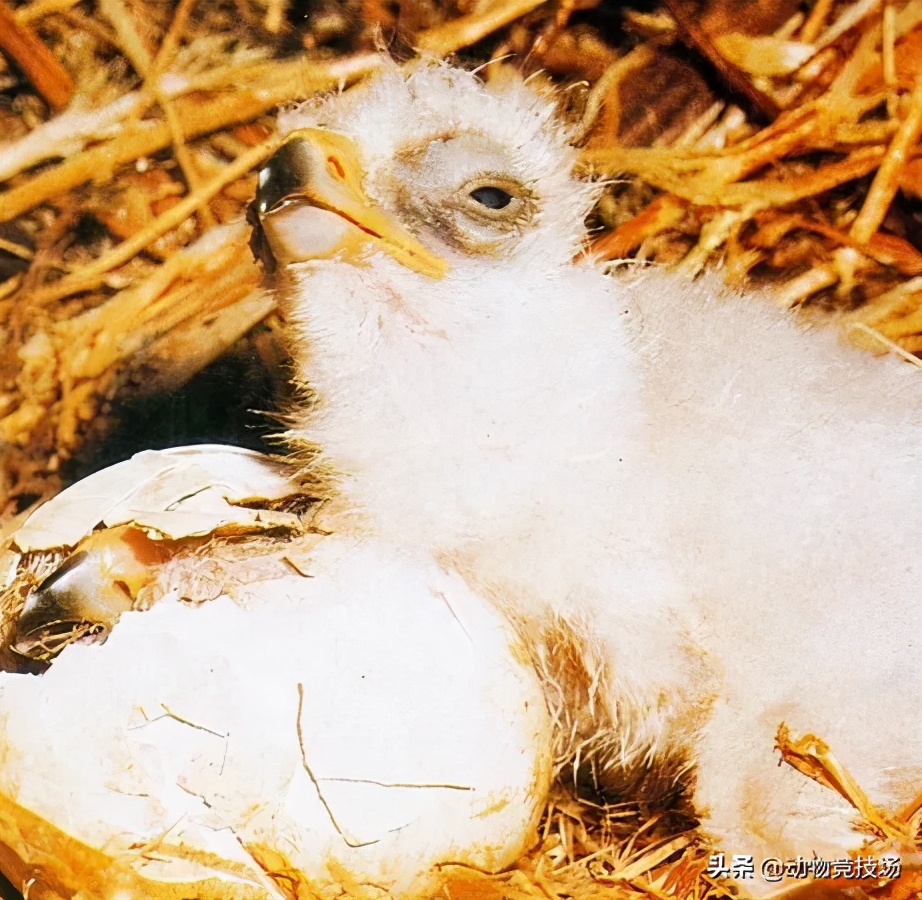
{"points": [[823, 198], [783, 148]]}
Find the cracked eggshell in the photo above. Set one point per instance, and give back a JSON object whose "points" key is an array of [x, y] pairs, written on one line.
{"points": [[369, 722], [175, 493]]}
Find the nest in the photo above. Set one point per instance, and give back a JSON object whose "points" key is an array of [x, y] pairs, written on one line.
{"points": [[782, 146]]}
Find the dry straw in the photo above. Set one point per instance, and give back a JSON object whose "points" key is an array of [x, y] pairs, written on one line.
{"points": [[137, 128]]}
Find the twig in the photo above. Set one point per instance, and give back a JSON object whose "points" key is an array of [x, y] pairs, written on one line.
{"points": [[17, 250], [887, 180], [798, 289], [200, 282], [760, 105], [851, 17], [38, 63], [467, 30], [274, 19], [651, 857], [154, 85], [69, 133], [295, 80], [66, 135], [889, 306], [129, 41], [895, 348], [905, 813], [812, 756], [709, 185], [149, 67], [815, 21], [91, 275], [38, 9], [171, 39], [604, 90]]}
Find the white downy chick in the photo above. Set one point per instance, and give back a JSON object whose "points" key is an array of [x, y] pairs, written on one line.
{"points": [[718, 503]]}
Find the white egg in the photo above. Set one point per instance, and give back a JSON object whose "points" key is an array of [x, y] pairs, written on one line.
{"points": [[376, 719]]}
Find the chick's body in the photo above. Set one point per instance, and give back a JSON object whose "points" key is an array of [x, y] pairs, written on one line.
{"points": [[722, 507]]}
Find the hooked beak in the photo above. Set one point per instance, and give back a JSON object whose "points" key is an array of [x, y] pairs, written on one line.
{"points": [[310, 204]]}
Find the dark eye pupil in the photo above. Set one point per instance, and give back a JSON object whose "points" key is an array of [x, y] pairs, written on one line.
{"points": [[492, 197]]}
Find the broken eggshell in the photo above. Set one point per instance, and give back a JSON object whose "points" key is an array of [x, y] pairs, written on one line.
{"points": [[364, 725], [176, 493], [119, 524]]}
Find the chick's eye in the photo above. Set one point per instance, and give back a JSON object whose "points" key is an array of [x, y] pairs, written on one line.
{"points": [[491, 197]]}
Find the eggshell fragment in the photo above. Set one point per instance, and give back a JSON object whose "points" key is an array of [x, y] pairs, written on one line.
{"points": [[182, 492]]}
